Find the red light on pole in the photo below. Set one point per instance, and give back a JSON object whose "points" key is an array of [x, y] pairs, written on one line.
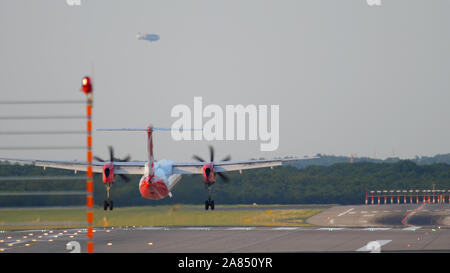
{"points": [[86, 85]]}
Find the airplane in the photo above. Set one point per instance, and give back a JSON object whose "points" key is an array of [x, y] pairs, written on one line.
{"points": [[158, 177], [147, 37]]}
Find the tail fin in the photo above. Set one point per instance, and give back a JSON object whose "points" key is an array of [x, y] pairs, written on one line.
{"points": [[149, 129]]}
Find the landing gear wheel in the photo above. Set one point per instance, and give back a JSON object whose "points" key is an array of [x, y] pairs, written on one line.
{"points": [[111, 205], [206, 205], [212, 204], [105, 205]]}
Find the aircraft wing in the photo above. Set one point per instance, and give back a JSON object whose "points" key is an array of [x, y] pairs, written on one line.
{"points": [[138, 167], [228, 166], [130, 167]]}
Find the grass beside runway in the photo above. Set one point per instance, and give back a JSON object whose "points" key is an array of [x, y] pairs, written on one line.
{"points": [[178, 215]]}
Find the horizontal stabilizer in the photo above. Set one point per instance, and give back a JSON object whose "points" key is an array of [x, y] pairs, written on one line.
{"points": [[145, 129]]}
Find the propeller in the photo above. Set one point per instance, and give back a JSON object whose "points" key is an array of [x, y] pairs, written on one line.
{"points": [[211, 157], [112, 159]]}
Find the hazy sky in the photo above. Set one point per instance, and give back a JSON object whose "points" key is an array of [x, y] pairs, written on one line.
{"points": [[349, 78]]}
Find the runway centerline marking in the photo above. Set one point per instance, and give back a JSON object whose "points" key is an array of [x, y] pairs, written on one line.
{"points": [[345, 212]]}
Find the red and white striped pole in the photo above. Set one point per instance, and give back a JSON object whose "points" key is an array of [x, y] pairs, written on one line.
{"points": [[87, 89]]}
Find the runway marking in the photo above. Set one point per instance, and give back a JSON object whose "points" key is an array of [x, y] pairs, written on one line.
{"points": [[331, 228], [152, 228], [412, 228], [368, 215], [409, 214], [345, 212], [377, 228], [195, 228], [286, 228], [351, 212], [363, 211], [15, 243], [241, 228], [374, 246]]}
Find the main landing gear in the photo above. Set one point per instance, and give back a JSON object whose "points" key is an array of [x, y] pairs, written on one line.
{"points": [[209, 203], [108, 202]]}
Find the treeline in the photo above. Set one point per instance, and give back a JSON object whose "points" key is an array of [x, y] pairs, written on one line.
{"points": [[328, 160], [340, 183]]}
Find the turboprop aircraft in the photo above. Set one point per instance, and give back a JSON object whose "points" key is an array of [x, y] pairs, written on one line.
{"points": [[158, 177]]}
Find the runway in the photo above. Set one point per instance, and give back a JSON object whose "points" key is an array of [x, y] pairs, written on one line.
{"points": [[391, 215], [347, 233], [231, 240]]}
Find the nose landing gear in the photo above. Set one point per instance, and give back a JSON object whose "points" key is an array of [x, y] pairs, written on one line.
{"points": [[108, 202]]}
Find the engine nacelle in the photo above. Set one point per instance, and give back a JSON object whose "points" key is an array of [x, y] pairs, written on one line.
{"points": [[208, 173], [108, 173]]}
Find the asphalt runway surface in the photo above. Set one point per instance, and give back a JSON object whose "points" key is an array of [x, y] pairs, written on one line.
{"points": [[389, 215], [351, 230]]}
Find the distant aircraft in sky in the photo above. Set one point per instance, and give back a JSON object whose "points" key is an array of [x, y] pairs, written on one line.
{"points": [[147, 37]]}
